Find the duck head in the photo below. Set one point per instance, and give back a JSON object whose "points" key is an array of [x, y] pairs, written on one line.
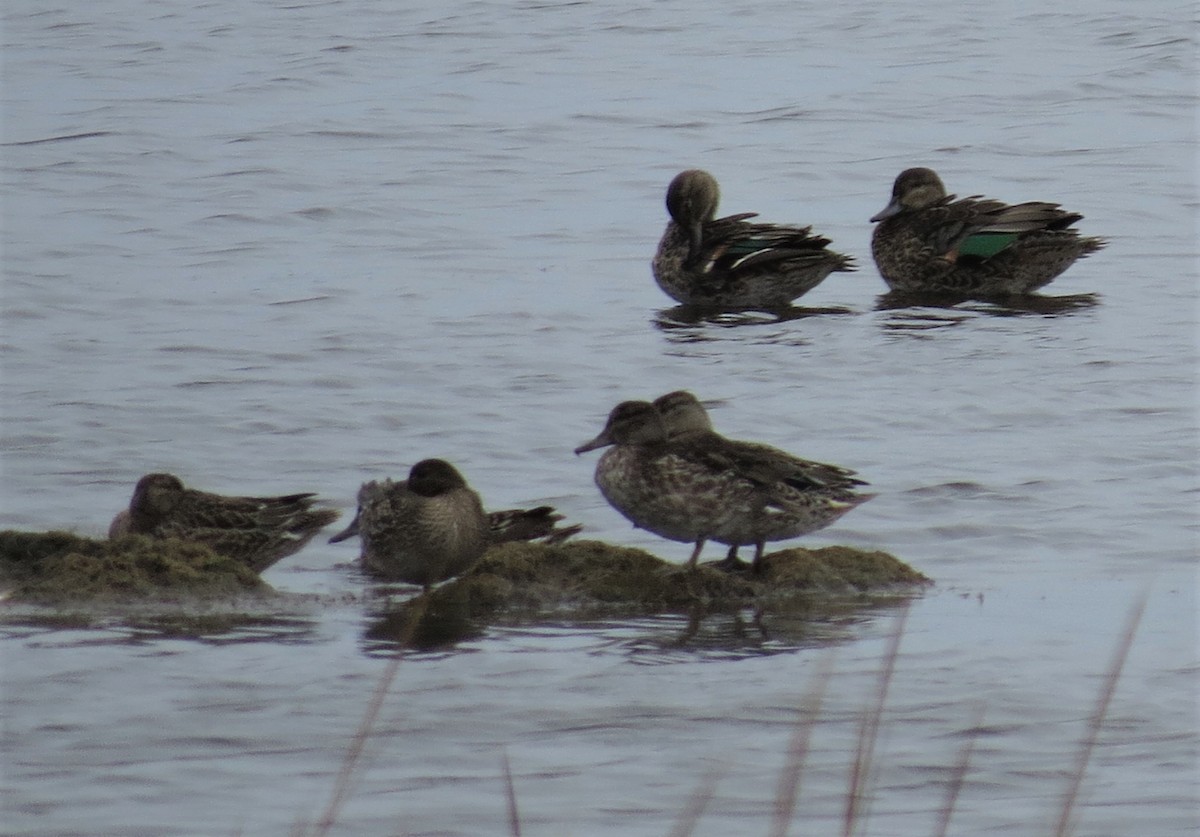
{"points": [[914, 189], [431, 477], [692, 200], [154, 498], [682, 412], [629, 423]]}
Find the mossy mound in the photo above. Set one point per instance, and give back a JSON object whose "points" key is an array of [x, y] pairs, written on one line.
{"points": [[585, 577], [48, 567], [589, 575], [835, 569]]}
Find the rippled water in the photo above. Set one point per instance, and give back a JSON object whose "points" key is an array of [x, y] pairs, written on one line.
{"points": [[281, 247]]}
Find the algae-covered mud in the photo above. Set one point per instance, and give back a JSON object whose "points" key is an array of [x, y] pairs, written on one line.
{"points": [[46, 567], [59, 567], [584, 580], [595, 576], [137, 587], [573, 581]]}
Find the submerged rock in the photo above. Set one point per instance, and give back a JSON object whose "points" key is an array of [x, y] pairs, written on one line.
{"points": [[48, 567]]}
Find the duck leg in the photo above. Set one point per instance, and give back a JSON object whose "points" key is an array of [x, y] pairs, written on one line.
{"points": [[756, 567], [691, 564]]}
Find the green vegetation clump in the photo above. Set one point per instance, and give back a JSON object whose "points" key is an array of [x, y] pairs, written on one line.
{"points": [[588, 577], [50, 567], [836, 569]]}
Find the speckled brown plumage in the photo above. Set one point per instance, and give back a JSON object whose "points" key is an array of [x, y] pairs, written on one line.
{"points": [[432, 526], [689, 426], [929, 242], [729, 262], [258, 531], [536, 524], [697, 486], [688, 422]]}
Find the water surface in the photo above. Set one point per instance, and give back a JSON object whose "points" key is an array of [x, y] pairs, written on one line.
{"points": [[285, 247]]}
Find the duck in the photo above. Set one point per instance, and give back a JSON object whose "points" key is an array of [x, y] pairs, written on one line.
{"points": [[690, 484], [687, 421], [731, 263], [539, 524], [432, 526], [257, 531], [927, 241]]}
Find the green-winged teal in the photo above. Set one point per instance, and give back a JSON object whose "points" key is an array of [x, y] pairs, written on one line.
{"points": [[687, 483], [688, 424], [729, 262], [686, 419], [257, 531], [432, 526], [929, 242]]}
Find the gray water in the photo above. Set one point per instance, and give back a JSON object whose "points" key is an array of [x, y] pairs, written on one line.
{"points": [[280, 247]]}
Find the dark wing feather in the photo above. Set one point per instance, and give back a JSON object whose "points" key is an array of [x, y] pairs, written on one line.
{"points": [[952, 223], [528, 525], [734, 245], [763, 465]]}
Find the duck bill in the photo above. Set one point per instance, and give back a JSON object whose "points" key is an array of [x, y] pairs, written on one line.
{"points": [[888, 211], [600, 441], [349, 532]]}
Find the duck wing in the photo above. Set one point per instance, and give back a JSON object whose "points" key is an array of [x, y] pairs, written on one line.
{"points": [[979, 228]]}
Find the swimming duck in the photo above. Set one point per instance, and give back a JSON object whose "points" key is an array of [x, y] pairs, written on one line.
{"points": [[258, 531], [432, 526], [732, 263], [695, 486], [929, 242]]}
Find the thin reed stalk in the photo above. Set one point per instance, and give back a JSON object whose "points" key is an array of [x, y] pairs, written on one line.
{"points": [[1063, 828], [510, 794], [789, 778], [868, 732], [954, 788], [341, 786], [691, 813]]}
